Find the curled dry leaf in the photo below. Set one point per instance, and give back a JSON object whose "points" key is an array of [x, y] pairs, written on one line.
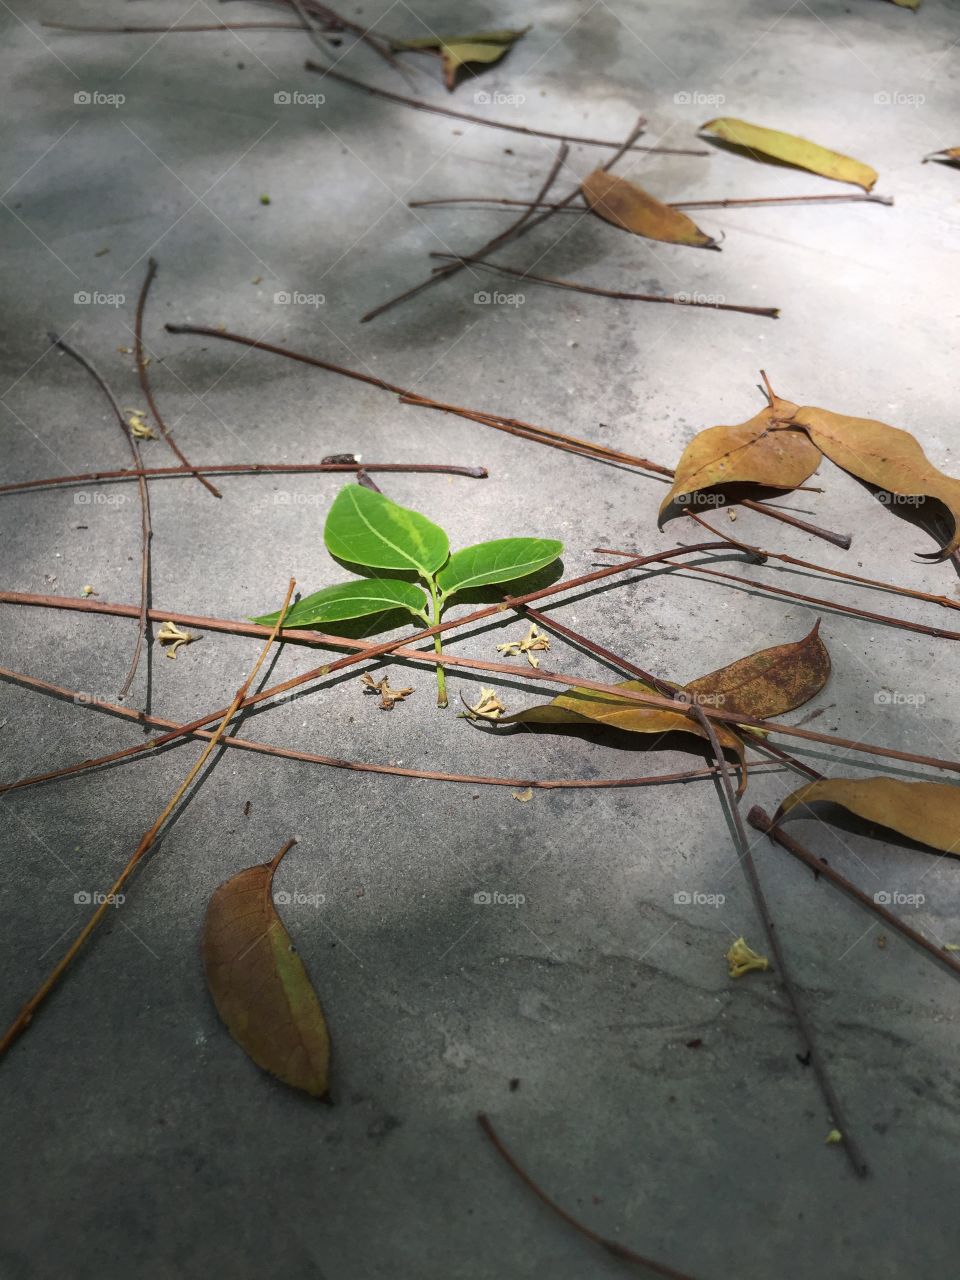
{"points": [[885, 457], [767, 683], [928, 812], [748, 453], [259, 985], [790, 149], [630, 207]]}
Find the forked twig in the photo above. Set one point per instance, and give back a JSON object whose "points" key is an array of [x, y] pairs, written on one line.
{"points": [[145, 381], [146, 527]]}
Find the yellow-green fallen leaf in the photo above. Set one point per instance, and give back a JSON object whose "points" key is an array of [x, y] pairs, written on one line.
{"points": [[885, 457], [631, 208], [790, 149], [751, 453], [928, 812], [259, 984], [462, 51]]}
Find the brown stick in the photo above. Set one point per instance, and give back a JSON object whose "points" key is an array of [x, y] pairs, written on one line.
{"points": [[332, 762], [400, 648], [835, 573], [146, 527], [26, 1014], [541, 435], [759, 818], [436, 109], [611, 1246], [742, 844], [452, 268], [671, 204], [771, 313], [248, 468], [145, 381], [169, 30]]}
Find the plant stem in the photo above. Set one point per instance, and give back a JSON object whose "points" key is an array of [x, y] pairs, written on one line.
{"points": [[437, 641]]}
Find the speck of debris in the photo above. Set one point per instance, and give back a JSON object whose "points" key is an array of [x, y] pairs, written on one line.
{"points": [[264, 199], [881, 940], [694, 1044], [804, 1058], [514, 1084], [246, 809], [101, 252]]}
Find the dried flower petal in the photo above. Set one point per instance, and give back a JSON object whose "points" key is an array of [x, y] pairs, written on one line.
{"points": [[388, 696], [742, 959], [489, 707], [172, 636], [533, 641]]}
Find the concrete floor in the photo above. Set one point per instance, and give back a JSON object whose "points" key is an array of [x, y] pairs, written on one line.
{"points": [[138, 1139]]}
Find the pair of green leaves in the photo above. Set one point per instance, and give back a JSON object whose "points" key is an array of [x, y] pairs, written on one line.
{"points": [[367, 529]]}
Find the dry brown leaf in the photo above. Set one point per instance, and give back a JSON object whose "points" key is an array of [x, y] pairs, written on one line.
{"points": [[769, 682], [790, 149], [928, 812], [259, 985], [885, 457], [630, 207], [748, 453]]}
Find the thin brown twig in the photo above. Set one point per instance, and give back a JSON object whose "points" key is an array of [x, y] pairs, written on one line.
{"points": [[855, 197], [761, 820], [400, 649], [771, 313], [248, 468], [892, 587], [742, 844], [146, 527], [145, 381], [513, 230], [309, 757], [513, 426], [26, 1014], [170, 30], [610, 1246], [436, 109]]}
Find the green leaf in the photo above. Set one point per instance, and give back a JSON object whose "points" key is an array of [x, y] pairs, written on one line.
{"points": [[498, 561], [352, 600], [366, 528]]}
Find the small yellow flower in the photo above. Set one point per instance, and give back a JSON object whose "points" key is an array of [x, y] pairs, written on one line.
{"points": [[742, 959], [489, 706], [532, 642], [171, 636], [87, 590]]}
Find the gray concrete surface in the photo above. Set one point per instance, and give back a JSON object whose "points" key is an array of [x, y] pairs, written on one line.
{"points": [[138, 1140]]}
